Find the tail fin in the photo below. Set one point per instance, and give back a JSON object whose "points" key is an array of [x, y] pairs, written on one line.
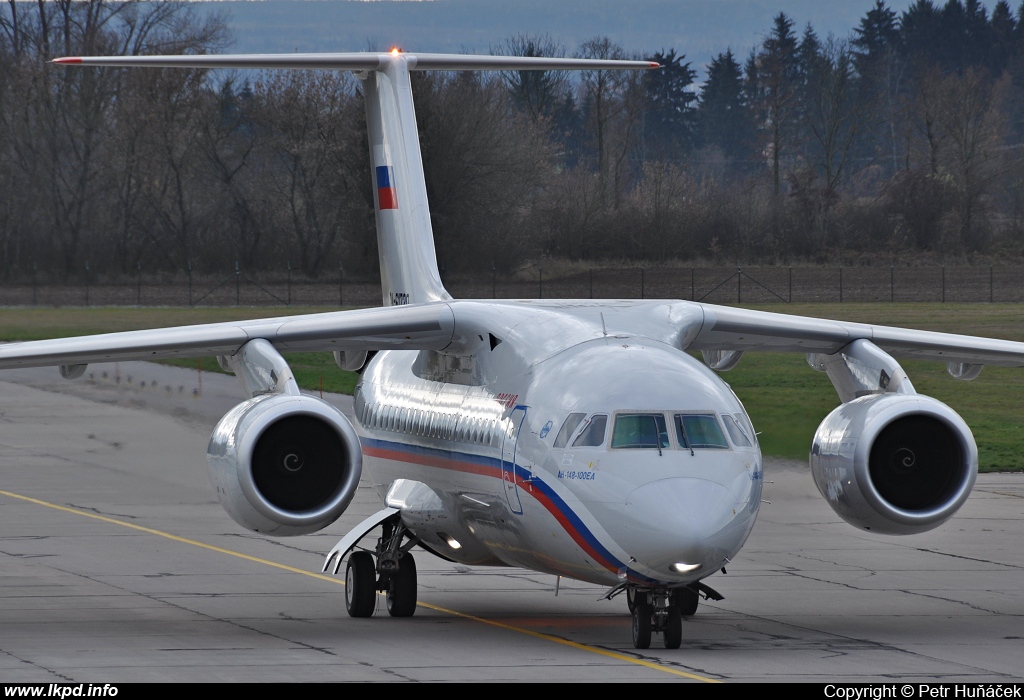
{"points": [[408, 263]]}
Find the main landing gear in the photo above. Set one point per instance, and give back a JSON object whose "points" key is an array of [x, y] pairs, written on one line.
{"points": [[391, 568]]}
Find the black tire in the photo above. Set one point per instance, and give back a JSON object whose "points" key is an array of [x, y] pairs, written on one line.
{"points": [[631, 596], [402, 588], [360, 585], [642, 626], [686, 599], [673, 628]]}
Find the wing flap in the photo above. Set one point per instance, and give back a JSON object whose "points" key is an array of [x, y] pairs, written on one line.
{"points": [[417, 327]]}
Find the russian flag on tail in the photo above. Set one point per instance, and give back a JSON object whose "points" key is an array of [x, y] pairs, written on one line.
{"points": [[387, 196]]}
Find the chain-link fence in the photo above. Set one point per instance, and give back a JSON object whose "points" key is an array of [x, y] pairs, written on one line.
{"points": [[719, 285]]}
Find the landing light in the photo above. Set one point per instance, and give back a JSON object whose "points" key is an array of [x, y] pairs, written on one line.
{"points": [[395, 51], [452, 542], [683, 568]]}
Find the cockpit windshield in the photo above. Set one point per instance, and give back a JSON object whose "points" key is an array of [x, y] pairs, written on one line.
{"points": [[693, 431], [640, 430], [700, 431]]}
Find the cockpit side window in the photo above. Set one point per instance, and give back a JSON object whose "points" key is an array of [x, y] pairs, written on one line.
{"points": [[700, 431], [748, 429], [736, 432], [568, 428], [593, 433], [636, 430]]}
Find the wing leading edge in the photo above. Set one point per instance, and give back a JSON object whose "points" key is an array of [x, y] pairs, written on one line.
{"points": [[415, 327], [730, 329]]}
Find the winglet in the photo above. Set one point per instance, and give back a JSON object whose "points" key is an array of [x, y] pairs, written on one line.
{"points": [[67, 59]]}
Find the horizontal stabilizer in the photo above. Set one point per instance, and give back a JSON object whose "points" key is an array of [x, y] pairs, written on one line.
{"points": [[358, 62]]}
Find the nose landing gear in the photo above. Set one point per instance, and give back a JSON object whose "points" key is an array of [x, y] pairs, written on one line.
{"points": [[662, 610], [654, 611]]}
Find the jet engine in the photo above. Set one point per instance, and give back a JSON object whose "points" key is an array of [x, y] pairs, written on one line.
{"points": [[284, 464], [894, 463]]}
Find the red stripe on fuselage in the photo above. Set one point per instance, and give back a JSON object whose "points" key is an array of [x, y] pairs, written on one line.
{"points": [[481, 470], [428, 461]]}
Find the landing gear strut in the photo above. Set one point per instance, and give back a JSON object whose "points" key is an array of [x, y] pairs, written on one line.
{"points": [[391, 568]]}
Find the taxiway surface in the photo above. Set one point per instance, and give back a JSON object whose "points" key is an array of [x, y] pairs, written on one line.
{"points": [[118, 564]]}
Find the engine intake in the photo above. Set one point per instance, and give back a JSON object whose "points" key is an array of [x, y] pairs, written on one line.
{"points": [[893, 463], [284, 464]]}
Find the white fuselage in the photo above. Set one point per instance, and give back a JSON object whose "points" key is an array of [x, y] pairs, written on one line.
{"points": [[496, 452]]}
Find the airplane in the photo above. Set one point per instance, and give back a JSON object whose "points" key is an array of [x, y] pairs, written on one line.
{"points": [[580, 438]]}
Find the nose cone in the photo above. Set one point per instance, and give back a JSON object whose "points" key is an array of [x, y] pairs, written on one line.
{"points": [[686, 521]]}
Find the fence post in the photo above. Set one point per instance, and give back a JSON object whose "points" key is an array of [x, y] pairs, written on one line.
{"points": [[892, 283], [991, 295], [943, 283], [739, 283], [289, 283], [540, 281], [188, 267], [840, 284], [86, 282], [693, 284], [238, 285], [138, 283], [790, 284], [35, 267], [591, 283], [642, 283], [341, 285]]}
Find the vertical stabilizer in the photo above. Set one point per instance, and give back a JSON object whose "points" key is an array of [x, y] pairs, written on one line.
{"points": [[408, 262]]}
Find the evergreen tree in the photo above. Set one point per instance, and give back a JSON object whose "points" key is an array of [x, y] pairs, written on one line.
{"points": [[879, 64], [670, 119], [1003, 30], [723, 115], [919, 29], [877, 34], [776, 101], [808, 66]]}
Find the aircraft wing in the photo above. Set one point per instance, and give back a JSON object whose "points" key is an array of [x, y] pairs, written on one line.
{"points": [[413, 327], [726, 328]]}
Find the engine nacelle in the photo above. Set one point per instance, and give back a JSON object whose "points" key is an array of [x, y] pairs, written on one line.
{"points": [[285, 464], [894, 463]]}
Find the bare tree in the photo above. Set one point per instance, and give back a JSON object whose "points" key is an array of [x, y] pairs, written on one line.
{"points": [[975, 128], [304, 121], [485, 165], [62, 121], [834, 118], [538, 92]]}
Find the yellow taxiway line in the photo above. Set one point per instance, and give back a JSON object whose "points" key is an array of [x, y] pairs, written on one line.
{"points": [[494, 623]]}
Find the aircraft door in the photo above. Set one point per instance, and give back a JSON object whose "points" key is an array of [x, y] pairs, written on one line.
{"points": [[508, 458]]}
